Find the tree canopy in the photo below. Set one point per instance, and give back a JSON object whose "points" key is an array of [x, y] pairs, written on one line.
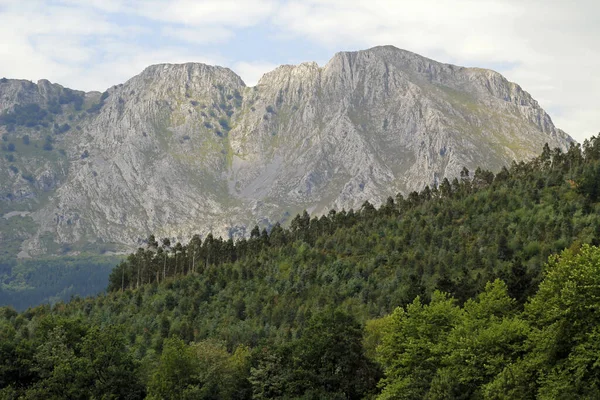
{"points": [[483, 287]]}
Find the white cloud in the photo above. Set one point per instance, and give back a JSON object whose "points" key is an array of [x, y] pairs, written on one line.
{"points": [[232, 13], [251, 72], [125, 60], [82, 48], [112, 6], [202, 35], [94, 44], [63, 49]]}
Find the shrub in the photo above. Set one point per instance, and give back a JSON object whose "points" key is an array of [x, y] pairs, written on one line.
{"points": [[224, 124], [59, 129], [70, 96], [54, 107], [29, 115], [28, 177], [48, 145]]}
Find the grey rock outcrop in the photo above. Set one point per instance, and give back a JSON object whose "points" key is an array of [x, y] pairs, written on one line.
{"points": [[184, 149]]}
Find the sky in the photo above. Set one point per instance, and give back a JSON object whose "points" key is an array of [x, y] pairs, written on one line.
{"points": [[549, 47]]}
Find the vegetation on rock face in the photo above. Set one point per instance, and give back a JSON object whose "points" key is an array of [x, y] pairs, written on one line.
{"points": [[447, 293], [29, 115]]}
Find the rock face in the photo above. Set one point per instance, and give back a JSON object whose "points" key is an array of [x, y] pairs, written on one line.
{"points": [[184, 149]]}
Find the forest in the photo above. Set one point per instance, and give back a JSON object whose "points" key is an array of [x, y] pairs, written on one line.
{"points": [[487, 286], [27, 283]]}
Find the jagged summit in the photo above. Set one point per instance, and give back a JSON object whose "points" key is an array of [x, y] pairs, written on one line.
{"points": [[188, 71], [189, 148]]}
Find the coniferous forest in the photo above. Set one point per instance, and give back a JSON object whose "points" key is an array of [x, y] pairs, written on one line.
{"points": [[484, 287]]}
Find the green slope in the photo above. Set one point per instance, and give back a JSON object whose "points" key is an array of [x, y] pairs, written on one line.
{"points": [[240, 319]]}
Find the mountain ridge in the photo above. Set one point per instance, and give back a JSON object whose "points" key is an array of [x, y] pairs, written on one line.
{"points": [[188, 148]]}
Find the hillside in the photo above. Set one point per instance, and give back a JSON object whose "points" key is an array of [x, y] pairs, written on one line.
{"points": [[335, 304], [190, 149]]}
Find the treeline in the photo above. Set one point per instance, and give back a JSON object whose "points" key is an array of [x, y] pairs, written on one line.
{"points": [[489, 348], [394, 302], [455, 237]]}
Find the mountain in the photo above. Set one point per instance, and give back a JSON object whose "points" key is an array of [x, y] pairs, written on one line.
{"points": [[185, 149]]}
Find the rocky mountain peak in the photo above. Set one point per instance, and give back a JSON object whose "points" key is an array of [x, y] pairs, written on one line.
{"points": [[187, 148], [22, 92], [193, 75]]}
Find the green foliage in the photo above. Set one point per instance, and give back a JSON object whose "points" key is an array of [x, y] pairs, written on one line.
{"points": [[566, 326], [204, 370], [589, 184], [48, 144], [490, 336], [28, 177], [175, 374], [445, 280], [67, 359], [490, 349], [69, 96], [59, 129], [327, 361], [224, 124], [111, 366], [28, 115], [411, 352]]}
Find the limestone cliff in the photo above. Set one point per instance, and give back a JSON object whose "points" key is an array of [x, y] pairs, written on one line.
{"points": [[184, 149]]}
